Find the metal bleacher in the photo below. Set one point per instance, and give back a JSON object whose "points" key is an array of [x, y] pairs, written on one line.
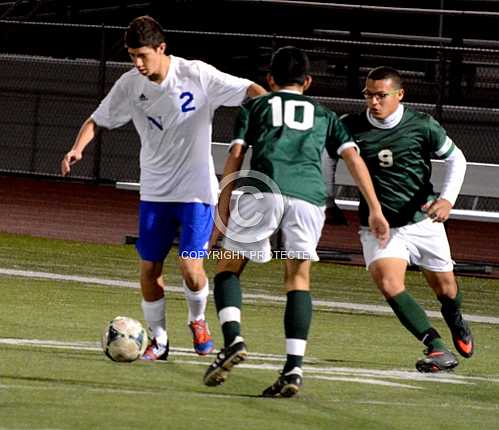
{"points": [[480, 180]]}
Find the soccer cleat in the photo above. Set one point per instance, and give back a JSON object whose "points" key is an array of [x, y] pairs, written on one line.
{"points": [[287, 385], [462, 337], [156, 352], [227, 358], [436, 361], [201, 337]]}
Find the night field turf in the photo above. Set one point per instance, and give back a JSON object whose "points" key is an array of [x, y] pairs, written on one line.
{"points": [[359, 372]]}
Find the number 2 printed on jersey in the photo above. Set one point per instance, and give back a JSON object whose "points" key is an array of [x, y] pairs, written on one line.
{"points": [[188, 101]]}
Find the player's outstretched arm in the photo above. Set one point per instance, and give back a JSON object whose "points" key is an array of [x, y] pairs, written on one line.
{"points": [[357, 167], [255, 90], [85, 136]]}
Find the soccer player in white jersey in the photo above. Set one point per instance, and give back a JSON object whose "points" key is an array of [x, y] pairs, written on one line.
{"points": [[171, 102], [397, 144], [288, 133]]}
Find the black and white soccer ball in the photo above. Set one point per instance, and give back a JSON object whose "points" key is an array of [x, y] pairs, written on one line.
{"points": [[124, 339]]}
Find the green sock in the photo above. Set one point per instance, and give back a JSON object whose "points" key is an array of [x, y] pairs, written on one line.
{"points": [[228, 302], [451, 309], [413, 317], [438, 344], [297, 320]]}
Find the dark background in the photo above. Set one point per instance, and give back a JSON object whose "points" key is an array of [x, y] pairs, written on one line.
{"points": [[59, 58], [253, 16]]}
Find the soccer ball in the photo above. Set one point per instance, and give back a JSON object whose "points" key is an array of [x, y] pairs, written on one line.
{"points": [[124, 339]]}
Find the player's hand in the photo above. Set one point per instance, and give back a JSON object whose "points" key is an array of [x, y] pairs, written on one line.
{"points": [[72, 157], [438, 210], [378, 225]]}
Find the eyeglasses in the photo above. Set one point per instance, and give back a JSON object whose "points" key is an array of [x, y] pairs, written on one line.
{"points": [[379, 96]]}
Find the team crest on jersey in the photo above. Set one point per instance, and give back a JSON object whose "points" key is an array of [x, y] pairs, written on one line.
{"points": [[155, 122], [143, 98]]}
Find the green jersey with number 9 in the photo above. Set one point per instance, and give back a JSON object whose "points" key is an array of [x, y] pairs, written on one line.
{"points": [[288, 133], [399, 161]]}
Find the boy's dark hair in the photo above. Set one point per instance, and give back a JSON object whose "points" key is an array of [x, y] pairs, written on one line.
{"points": [[384, 72], [289, 65], [144, 31]]}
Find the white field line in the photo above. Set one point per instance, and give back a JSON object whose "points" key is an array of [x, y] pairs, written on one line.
{"points": [[310, 374], [95, 346], [404, 374], [328, 304], [338, 373], [365, 381], [89, 346]]}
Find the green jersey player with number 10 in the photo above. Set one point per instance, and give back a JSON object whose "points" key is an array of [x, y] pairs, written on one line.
{"points": [[288, 133], [397, 144]]}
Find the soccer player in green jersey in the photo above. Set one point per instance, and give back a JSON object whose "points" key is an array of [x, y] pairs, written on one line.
{"points": [[288, 133], [397, 144]]}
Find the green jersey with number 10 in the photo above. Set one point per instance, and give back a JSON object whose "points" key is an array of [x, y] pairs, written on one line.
{"points": [[288, 132], [399, 161]]}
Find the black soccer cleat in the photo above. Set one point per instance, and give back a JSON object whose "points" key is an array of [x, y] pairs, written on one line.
{"points": [[436, 361], [462, 337], [287, 385], [226, 359]]}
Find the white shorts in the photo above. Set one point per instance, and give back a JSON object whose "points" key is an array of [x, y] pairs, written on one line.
{"points": [[424, 244], [256, 217]]}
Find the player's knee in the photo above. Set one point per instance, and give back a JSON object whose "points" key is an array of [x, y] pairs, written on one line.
{"points": [[195, 281], [388, 285], [194, 276], [150, 271], [231, 263]]}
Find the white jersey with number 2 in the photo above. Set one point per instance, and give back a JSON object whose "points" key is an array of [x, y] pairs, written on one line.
{"points": [[174, 122]]}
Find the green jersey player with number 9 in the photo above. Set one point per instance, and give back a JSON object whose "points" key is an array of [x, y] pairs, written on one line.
{"points": [[397, 144]]}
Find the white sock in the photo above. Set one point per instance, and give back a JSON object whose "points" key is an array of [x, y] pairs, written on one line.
{"points": [[154, 314], [196, 301], [296, 347]]}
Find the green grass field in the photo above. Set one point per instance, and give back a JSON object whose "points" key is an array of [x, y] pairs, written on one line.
{"points": [[359, 372]]}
